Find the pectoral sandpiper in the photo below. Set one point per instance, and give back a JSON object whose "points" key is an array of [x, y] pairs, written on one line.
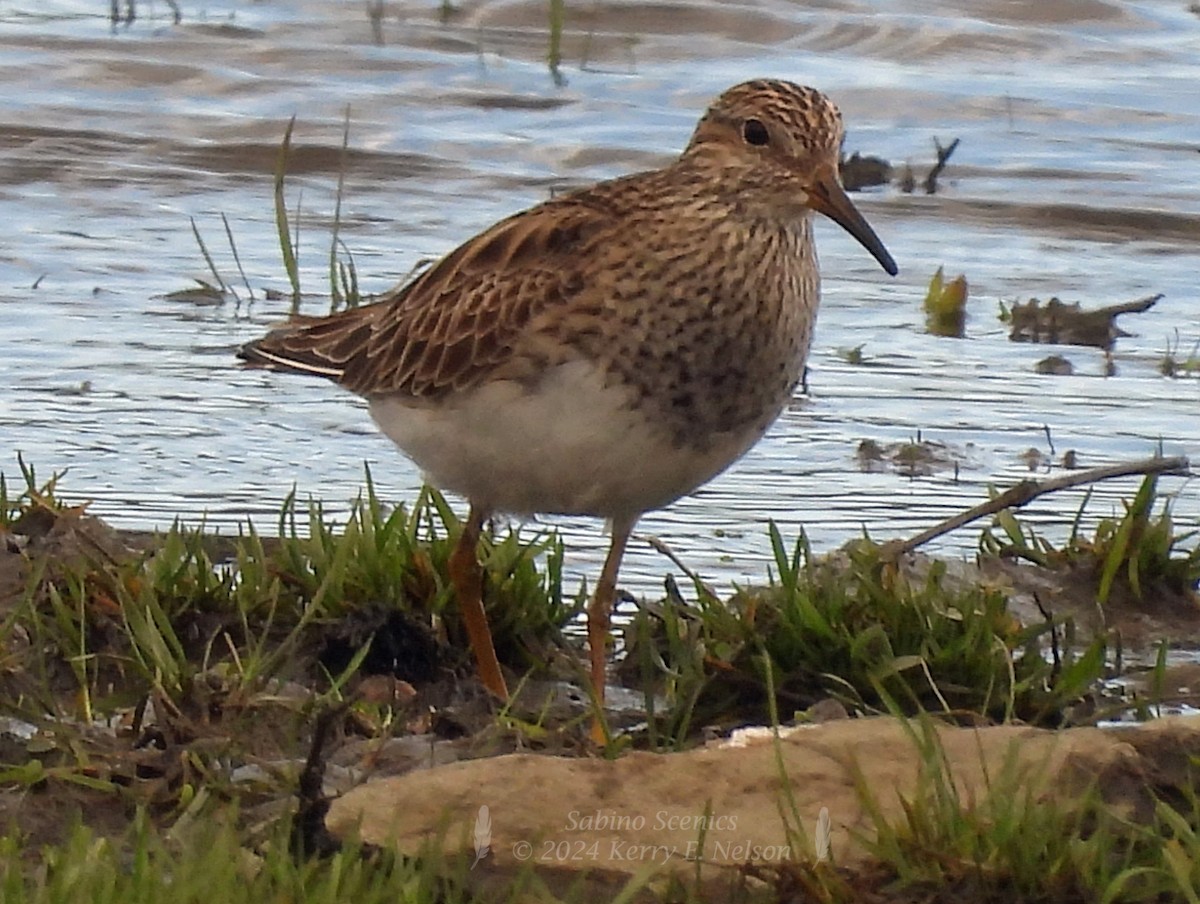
{"points": [[610, 350]]}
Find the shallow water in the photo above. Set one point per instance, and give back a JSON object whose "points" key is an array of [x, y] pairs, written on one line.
{"points": [[1078, 176]]}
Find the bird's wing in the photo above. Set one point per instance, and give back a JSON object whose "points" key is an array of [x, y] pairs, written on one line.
{"points": [[458, 321]]}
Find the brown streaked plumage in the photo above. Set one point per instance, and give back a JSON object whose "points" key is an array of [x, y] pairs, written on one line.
{"points": [[612, 349]]}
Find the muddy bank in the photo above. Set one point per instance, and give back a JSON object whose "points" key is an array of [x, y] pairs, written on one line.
{"points": [[408, 756]]}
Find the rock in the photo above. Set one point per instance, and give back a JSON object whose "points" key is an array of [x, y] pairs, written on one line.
{"points": [[644, 809]]}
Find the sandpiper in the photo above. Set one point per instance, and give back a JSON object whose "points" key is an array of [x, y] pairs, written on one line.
{"points": [[609, 350]]}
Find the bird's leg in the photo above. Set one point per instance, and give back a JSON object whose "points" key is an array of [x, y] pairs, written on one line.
{"points": [[600, 613], [466, 576]]}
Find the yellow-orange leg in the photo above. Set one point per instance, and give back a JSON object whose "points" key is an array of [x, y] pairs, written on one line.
{"points": [[466, 576], [600, 617]]}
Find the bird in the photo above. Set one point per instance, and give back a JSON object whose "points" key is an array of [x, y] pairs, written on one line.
{"points": [[609, 350]]}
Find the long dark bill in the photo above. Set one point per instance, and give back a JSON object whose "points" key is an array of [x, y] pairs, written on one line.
{"points": [[827, 196]]}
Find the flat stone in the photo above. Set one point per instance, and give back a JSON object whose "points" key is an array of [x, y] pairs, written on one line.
{"points": [[618, 817]]}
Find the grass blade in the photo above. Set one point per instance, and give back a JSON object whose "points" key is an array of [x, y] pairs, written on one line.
{"points": [[281, 216], [212, 267], [335, 293], [236, 257]]}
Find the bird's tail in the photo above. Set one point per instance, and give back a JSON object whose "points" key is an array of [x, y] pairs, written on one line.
{"points": [[317, 346]]}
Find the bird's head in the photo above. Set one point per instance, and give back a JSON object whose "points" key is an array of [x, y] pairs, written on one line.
{"points": [[777, 146]]}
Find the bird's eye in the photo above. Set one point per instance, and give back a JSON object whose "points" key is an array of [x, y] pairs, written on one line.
{"points": [[755, 132]]}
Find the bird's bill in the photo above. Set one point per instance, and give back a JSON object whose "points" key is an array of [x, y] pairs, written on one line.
{"points": [[827, 196]]}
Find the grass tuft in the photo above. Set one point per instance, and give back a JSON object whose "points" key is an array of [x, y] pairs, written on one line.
{"points": [[1136, 556], [858, 628]]}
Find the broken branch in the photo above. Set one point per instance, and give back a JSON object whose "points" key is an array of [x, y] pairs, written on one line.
{"points": [[943, 157], [1028, 490]]}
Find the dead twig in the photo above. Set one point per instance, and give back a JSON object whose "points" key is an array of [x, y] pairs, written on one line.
{"points": [[309, 837], [1028, 490], [943, 157]]}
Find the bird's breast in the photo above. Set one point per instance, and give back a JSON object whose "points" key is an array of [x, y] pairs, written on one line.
{"points": [[717, 347]]}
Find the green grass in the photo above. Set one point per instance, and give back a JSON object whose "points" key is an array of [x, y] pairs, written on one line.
{"points": [[855, 627], [209, 863], [1136, 555], [1172, 365], [31, 495], [158, 620], [195, 642], [1029, 838]]}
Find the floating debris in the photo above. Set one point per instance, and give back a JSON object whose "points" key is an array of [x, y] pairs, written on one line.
{"points": [[1068, 324], [203, 294], [853, 356], [1055, 365], [1033, 458], [859, 172], [946, 305], [916, 458]]}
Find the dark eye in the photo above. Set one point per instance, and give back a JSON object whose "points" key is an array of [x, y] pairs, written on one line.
{"points": [[755, 132]]}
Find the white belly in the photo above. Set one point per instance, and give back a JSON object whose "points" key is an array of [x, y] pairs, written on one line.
{"points": [[575, 446]]}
